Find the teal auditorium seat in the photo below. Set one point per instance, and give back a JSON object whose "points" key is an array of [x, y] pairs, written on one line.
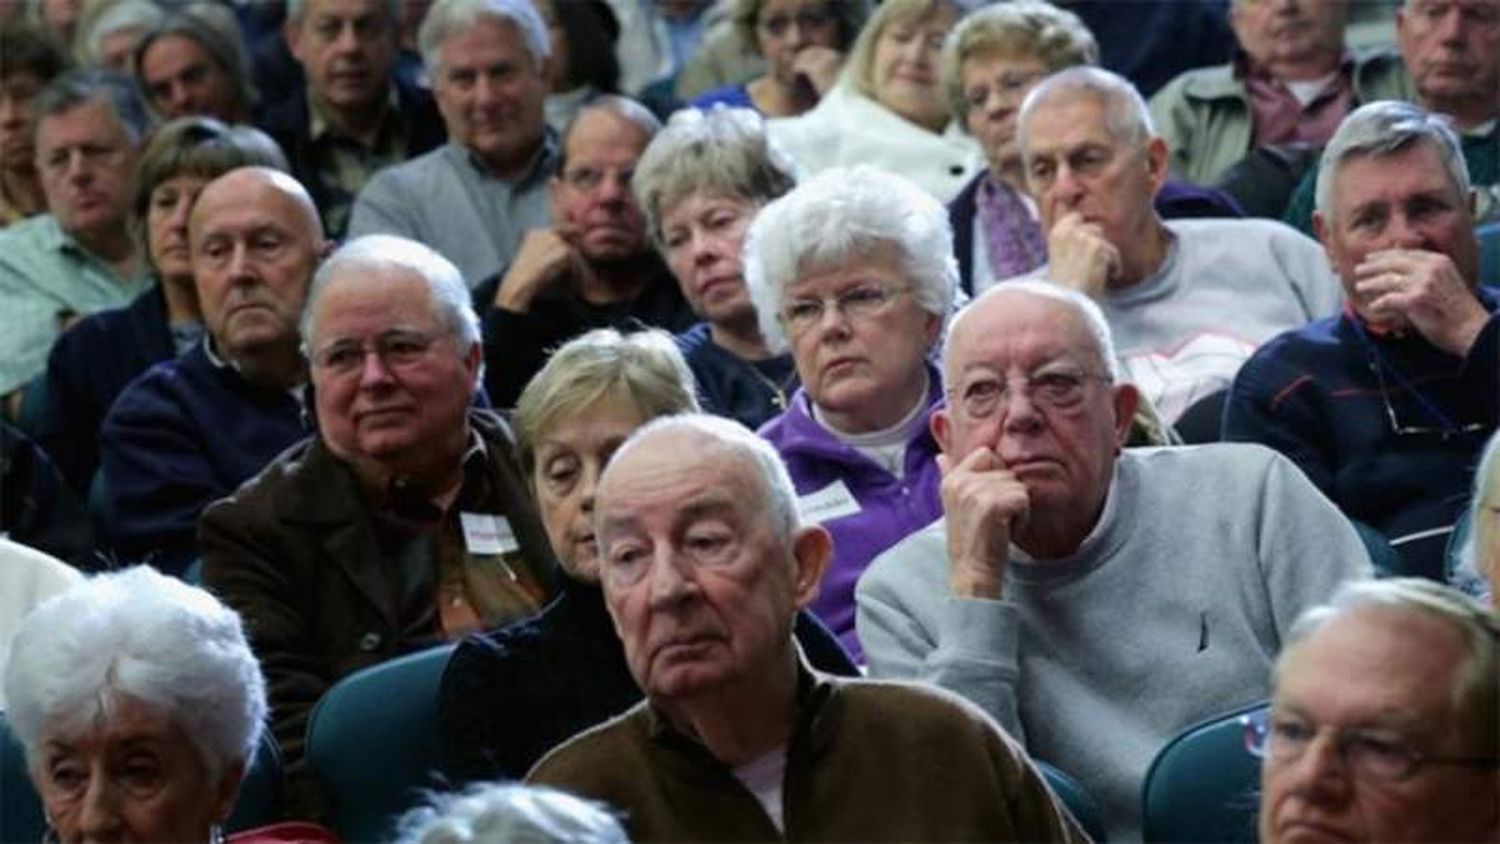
{"points": [[21, 817], [1085, 810], [1204, 785], [372, 743], [1387, 560], [1489, 253]]}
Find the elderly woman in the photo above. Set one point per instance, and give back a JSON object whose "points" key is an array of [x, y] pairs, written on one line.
{"points": [[139, 706], [700, 183], [991, 61], [887, 109], [802, 41], [510, 696], [95, 359], [854, 272]]}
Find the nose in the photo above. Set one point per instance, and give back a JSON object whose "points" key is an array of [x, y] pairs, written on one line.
{"points": [[348, 39], [179, 219], [1402, 233], [796, 35], [1319, 773], [1066, 189], [1450, 26], [12, 116], [1020, 411], [240, 267], [79, 169], [670, 584], [98, 815], [373, 371]]}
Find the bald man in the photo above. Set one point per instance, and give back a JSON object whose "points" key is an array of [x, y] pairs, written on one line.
{"points": [[192, 429]]}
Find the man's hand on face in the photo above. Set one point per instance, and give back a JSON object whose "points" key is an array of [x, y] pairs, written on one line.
{"points": [[1424, 290], [819, 66], [546, 254], [984, 505], [1079, 256]]}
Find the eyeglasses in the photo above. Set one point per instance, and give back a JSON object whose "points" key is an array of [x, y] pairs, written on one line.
{"points": [[1011, 86], [590, 178], [395, 349], [859, 303], [1446, 427], [1369, 754], [981, 396], [776, 25]]}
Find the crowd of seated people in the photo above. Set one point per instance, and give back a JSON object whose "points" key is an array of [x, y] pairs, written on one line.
{"points": [[682, 361]]}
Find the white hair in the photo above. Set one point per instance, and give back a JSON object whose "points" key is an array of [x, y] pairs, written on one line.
{"points": [[141, 635], [1481, 577], [1384, 128], [1126, 117], [833, 216], [449, 296], [491, 813], [295, 9], [139, 15], [448, 18], [1087, 310], [776, 484]]}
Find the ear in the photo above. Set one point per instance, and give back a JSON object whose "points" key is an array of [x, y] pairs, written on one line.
{"points": [[1156, 163], [813, 548], [933, 330], [554, 188], [1126, 399], [291, 30], [941, 425], [1323, 231], [472, 360], [227, 790]]}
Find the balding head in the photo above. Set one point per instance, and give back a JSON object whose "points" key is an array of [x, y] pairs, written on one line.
{"points": [[256, 239]]}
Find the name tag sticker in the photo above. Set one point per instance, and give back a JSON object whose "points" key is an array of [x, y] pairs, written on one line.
{"points": [[834, 501], [487, 533]]}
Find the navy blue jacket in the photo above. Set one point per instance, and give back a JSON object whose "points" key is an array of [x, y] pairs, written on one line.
{"points": [[1312, 395], [88, 368], [180, 437], [754, 392]]}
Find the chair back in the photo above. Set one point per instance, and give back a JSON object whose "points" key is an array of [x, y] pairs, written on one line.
{"points": [[1080, 803], [22, 817], [1204, 785], [1489, 253], [373, 743]]}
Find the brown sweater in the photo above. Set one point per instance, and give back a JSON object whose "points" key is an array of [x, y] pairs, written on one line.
{"points": [[867, 761]]}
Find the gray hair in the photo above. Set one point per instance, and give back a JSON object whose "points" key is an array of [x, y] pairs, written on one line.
{"points": [[1087, 310], [447, 18], [295, 9], [1126, 117], [199, 24], [142, 15], [628, 110], [1482, 525], [722, 152], [80, 87], [137, 634], [490, 812], [450, 297], [1476, 691], [1384, 128], [740, 442], [1016, 29], [644, 368], [835, 214]]}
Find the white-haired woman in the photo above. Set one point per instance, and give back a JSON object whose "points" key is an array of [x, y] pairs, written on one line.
{"points": [[854, 272], [139, 706], [700, 183], [888, 108], [1478, 571]]}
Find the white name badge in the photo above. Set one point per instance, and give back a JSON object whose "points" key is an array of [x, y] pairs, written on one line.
{"points": [[834, 501], [487, 533]]}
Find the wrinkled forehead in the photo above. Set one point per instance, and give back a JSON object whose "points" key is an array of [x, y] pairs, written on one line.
{"points": [[643, 472], [369, 299], [1018, 329]]}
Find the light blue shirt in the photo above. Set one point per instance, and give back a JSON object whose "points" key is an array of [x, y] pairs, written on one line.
{"points": [[47, 277]]}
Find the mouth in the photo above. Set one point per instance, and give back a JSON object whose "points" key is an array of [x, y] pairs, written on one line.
{"points": [[383, 415], [1308, 832], [1030, 465], [719, 285], [841, 366]]}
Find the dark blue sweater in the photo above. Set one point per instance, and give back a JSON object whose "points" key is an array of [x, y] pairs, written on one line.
{"points": [[183, 435], [1312, 394], [754, 392]]}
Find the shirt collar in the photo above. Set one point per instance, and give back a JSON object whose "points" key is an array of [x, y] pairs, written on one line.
{"points": [[319, 124]]}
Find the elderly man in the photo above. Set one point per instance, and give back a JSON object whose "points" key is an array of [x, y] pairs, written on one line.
{"points": [[405, 521], [1188, 300], [1094, 602], [353, 116], [1291, 81], [1452, 51], [474, 199], [80, 257], [1387, 405], [192, 429], [1404, 677], [704, 566], [594, 267]]}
